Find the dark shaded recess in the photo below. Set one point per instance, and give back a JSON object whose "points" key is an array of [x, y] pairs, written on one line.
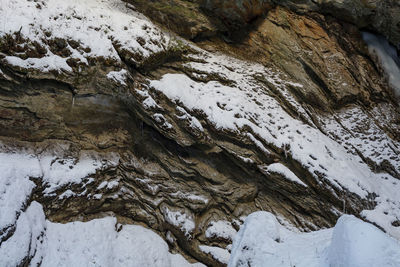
{"points": [[181, 16], [318, 81]]}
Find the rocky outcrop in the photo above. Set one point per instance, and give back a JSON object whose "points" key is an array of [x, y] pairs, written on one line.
{"points": [[238, 13], [320, 53], [296, 119], [376, 15], [183, 17], [202, 19]]}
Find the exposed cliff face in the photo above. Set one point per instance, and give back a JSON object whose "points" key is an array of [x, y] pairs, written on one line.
{"points": [[199, 19], [376, 15], [237, 13], [319, 52], [112, 115]]}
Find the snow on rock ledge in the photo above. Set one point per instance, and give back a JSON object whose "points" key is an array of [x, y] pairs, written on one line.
{"points": [[237, 108], [19, 170], [352, 242], [79, 29]]}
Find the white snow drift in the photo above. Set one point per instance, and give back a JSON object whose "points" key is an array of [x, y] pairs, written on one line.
{"points": [[263, 241], [93, 243], [97, 25]]}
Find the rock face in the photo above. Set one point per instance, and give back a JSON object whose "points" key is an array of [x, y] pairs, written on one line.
{"points": [[199, 19], [130, 121], [184, 17], [320, 53], [237, 13], [377, 15]]}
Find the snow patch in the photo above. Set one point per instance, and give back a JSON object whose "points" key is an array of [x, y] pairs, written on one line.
{"points": [[15, 185], [60, 172], [109, 184], [191, 197], [118, 76], [98, 26], [179, 219], [160, 119], [222, 229], [352, 242], [67, 194], [356, 243], [219, 254], [44, 64], [194, 123], [27, 237], [286, 172], [92, 243]]}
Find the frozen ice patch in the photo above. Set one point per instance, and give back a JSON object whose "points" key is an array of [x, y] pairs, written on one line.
{"points": [[387, 55]]}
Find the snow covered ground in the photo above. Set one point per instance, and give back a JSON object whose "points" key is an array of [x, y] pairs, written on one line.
{"points": [[263, 241], [100, 242], [19, 170]]}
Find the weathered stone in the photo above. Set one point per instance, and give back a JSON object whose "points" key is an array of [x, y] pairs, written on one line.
{"points": [[181, 16], [239, 12], [378, 15]]}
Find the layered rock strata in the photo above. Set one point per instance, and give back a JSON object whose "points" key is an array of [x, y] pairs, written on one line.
{"points": [[118, 117]]}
